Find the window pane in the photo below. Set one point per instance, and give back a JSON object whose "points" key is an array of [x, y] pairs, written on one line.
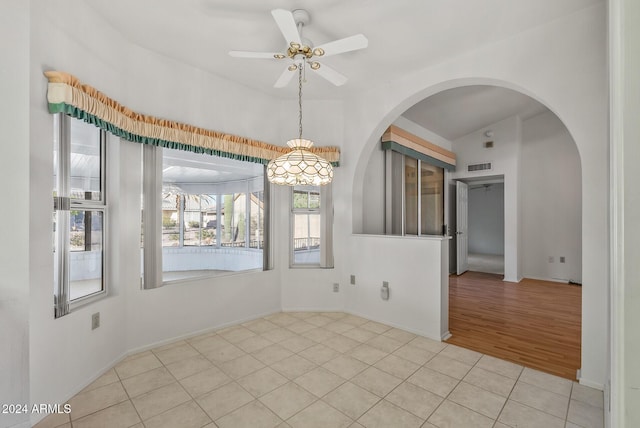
{"points": [[306, 238], [300, 199], [170, 219], [411, 195], [86, 235], [85, 164], [256, 225], [396, 190], [432, 199], [234, 220]]}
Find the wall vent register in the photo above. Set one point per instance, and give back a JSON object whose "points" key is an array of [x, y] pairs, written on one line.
{"points": [[479, 167]]}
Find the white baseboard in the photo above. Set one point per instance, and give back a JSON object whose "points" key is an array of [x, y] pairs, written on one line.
{"points": [[591, 384], [447, 335]]}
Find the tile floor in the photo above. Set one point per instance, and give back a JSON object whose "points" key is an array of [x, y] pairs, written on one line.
{"points": [[325, 370]]}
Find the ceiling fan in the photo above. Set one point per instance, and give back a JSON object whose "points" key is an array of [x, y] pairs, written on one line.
{"points": [[302, 52]]}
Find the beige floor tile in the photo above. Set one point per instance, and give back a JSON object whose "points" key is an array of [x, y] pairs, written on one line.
{"points": [[176, 353], [97, 399], [320, 415], [463, 355], [384, 343], [237, 334], [107, 378], [54, 420], [359, 334], [351, 400], [319, 353], [278, 334], [297, 344], [147, 381], [414, 399], [433, 381], [341, 343], [345, 366], [121, 415], [319, 335], [160, 400], [260, 326], [252, 415], [354, 320], [282, 319], [187, 415], [209, 344], [518, 415], [319, 381], [272, 354], [452, 415], [585, 415], [300, 327], [137, 355], [399, 367], [224, 354], [287, 400], [206, 381], [385, 415], [241, 366], [593, 397], [502, 367], [546, 381], [334, 315], [293, 366], [399, 335], [319, 320], [254, 344], [567, 425], [262, 381], [224, 400], [479, 400], [501, 425], [538, 398], [367, 354], [414, 354], [189, 366], [375, 327], [303, 315], [339, 326], [138, 365], [428, 344], [490, 381], [376, 381], [448, 366]]}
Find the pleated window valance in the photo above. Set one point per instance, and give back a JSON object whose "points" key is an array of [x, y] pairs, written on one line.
{"points": [[401, 141], [68, 95]]}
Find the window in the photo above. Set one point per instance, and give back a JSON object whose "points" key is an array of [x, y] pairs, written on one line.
{"points": [[311, 226], [414, 196], [211, 215], [79, 215]]}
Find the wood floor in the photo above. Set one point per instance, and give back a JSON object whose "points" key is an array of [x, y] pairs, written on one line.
{"points": [[533, 323]]}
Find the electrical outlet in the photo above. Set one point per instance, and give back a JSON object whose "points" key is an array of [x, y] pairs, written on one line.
{"points": [[353, 280], [95, 320], [562, 259], [550, 259], [336, 287]]}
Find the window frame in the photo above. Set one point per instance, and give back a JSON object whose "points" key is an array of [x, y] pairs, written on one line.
{"points": [[63, 204], [325, 213]]}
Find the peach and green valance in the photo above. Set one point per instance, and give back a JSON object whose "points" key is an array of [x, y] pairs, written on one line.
{"points": [[66, 94], [404, 142]]}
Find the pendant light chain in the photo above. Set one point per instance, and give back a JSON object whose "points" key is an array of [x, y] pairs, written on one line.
{"points": [[300, 99]]}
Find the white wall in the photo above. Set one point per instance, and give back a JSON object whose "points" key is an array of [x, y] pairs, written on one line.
{"points": [[14, 226], [486, 219], [504, 158], [416, 269], [572, 83], [551, 201]]}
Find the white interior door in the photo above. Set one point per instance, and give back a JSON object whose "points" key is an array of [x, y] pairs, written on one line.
{"points": [[462, 221]]}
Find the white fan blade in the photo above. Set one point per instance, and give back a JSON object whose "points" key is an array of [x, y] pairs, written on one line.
{"points": [[257, 55], [347, 44], [287, 25], [331, 75], [284, 78]]}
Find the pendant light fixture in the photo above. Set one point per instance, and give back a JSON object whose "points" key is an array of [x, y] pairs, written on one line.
{"points": [[300, 167]]}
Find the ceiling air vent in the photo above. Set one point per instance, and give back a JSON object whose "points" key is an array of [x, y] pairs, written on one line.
{"points": [[479, 167]]}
